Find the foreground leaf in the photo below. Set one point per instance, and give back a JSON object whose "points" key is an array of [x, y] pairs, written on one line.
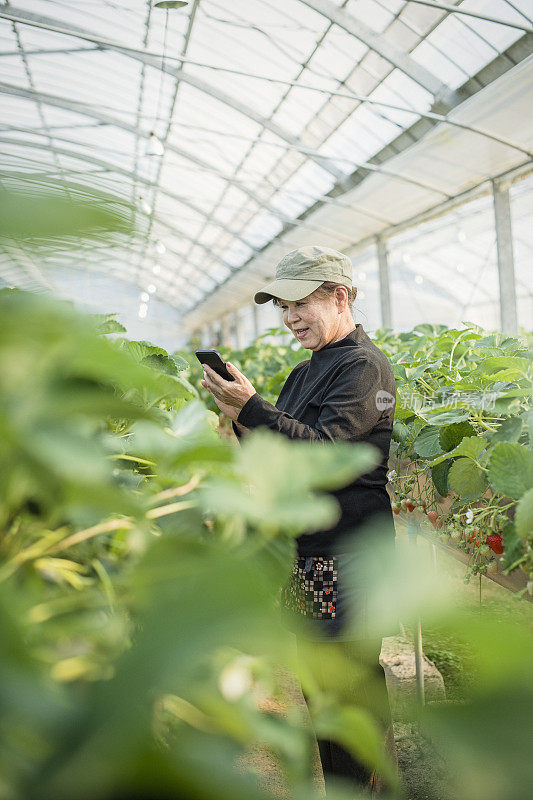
{"points": [[511, 469]]}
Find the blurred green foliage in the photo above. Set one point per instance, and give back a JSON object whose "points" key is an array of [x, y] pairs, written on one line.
{"points": [[61, 210], [136, 570], [142, 558]]}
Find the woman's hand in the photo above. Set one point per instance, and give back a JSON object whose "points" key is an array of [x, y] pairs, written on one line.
{"points": [[230, 396]]}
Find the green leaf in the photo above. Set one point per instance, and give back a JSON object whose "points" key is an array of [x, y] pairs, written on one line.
{"points": [[357, 731], [161, 363], [466, 479], [141, 349], [412, 373], [399, 371], [107, 323], [446, 417], [504, 376], [528, 418], [180, 362], [509, 431], [429, 329], [453, 434], [511, 469], [471, 446], [512, 544], [283, 475], [494, 365], [66, 452], [48, 214], [173, 387], [426, 443], [400, 432], [524, 515], [289, 514], [439, 475]]}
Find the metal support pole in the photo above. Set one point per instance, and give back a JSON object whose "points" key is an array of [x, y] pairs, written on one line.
{"points": [[384, 283], [224, 331], [504, 245], [255, 319], [412, 532], [239, 332]]}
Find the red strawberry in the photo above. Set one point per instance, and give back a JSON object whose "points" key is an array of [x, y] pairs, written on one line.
{"points": [[474, 537], [396, 508], [433, 516], [495, 543], [410, 506]]}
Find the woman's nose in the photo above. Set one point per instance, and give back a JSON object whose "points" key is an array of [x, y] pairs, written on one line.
{"points": [[292, 315]]}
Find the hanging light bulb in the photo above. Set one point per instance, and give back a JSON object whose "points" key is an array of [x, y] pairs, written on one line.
{"points": [[156, 269], [151, 288], [160, 248], [145, 297], [153, 146], [143, 309]]}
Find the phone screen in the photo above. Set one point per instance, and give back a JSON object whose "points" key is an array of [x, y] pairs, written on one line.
{"points": [[215, 361]]}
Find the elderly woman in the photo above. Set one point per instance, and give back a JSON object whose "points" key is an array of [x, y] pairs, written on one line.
{"points": [[345, 391]]}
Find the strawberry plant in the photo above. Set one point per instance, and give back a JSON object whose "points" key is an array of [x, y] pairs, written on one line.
{"points": [[462, 436], [140, 555]]}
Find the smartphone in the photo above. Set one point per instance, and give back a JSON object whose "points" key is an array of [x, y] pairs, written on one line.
{"points": [[214, 360]]}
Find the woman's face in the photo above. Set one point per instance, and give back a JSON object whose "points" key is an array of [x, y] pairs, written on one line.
{"points": [[314, 321]]}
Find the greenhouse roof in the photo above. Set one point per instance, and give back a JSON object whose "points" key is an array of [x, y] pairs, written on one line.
{"points": [[240, 130]]}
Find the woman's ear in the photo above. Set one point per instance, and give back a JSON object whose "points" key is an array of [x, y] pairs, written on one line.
{"points": [[341, 298]]}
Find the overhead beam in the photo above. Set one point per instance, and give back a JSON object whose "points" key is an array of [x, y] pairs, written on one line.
{"points": [[475, 14], [121, 271], [93, 112], [54, 51], [172, 111], [22, 16], [375, 41], [109, 166]]}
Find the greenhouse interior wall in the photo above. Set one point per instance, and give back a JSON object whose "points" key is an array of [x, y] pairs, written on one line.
{"points": [[442, 271], [371, 126]]}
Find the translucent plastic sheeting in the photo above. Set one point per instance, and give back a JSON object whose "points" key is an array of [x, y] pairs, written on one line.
{"points": [[264, 110]]}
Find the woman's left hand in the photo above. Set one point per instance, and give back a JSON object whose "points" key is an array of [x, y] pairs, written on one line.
{"points": [[230, 396]]}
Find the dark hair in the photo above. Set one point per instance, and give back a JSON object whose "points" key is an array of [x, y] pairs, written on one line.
{"points": [[327, 289]]}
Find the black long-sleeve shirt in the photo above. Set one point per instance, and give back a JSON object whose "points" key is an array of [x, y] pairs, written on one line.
{"points": [[345, 391]]}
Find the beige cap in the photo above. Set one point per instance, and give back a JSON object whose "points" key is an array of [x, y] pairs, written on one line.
{"points": [[302, 271]]}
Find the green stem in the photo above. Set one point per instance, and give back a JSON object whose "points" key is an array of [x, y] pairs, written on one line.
{"points": [[481, 422], [453, 348], [122, 457]]}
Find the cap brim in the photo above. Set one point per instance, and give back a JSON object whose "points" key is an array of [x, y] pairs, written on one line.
{"points": [[286, 289]]}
